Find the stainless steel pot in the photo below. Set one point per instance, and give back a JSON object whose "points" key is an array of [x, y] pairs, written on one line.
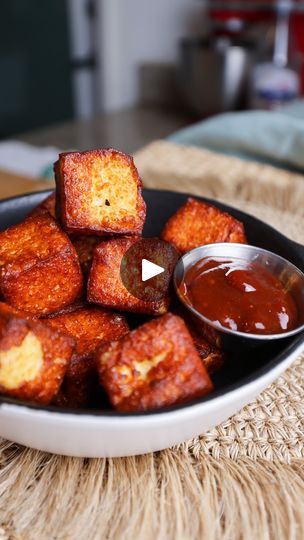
{"points": [[214, 73]]}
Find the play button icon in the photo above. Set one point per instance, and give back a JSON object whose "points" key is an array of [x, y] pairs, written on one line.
{"points": [[150, 269], [146, 268]]}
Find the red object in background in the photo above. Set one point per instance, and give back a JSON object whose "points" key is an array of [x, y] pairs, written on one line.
{"points": [[259, 15], [253, 15], [297, 33]]}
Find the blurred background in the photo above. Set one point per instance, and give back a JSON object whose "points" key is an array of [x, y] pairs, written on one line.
{"points": [[89, 73]]}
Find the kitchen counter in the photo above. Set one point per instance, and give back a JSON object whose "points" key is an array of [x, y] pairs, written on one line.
{"points": [[127, 130]]}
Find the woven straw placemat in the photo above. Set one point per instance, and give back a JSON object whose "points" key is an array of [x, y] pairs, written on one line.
{"points": [[242, 480]]}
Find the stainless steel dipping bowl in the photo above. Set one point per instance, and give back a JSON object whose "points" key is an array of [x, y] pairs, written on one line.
{"points": [[291, 277]]}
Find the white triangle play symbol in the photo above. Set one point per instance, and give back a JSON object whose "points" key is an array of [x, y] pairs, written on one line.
{"points": [[150, 270]]}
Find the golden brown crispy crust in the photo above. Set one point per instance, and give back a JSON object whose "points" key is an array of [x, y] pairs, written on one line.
{"points": [[33, 357], [90, 327], [197, 223], [212, 356], [105, 286], [85, 246], [39, 268], [46, 206], [99, 192], [154, 366], [204, 340], [81, 303]]}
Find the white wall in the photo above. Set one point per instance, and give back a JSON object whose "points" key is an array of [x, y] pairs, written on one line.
{"points": [[130, 32], [81, 47]]}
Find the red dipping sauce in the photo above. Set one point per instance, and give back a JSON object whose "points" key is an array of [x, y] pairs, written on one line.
{"points": [[239, 295]]}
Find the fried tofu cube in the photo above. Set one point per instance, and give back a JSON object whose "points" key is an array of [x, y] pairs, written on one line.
{"points": [[200, 328], [206, 340], [90, 327], [85, 246], [105, 286], [211, 355], [154, 366], [99, 192], [197, 223], [33, 357], [48, 206], [39, 268], [81, 303]]}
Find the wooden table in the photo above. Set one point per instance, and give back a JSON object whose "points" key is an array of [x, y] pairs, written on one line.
{"points": [[12, 184]]}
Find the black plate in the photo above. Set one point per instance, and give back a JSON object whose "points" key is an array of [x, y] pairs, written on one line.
{"points": [[239, 369]]}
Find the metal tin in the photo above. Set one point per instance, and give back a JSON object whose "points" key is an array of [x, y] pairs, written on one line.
{"points": [[285, 271]]}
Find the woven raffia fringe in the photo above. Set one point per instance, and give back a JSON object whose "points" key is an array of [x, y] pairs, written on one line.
{"points": [[201, 172], [242, 480]]}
